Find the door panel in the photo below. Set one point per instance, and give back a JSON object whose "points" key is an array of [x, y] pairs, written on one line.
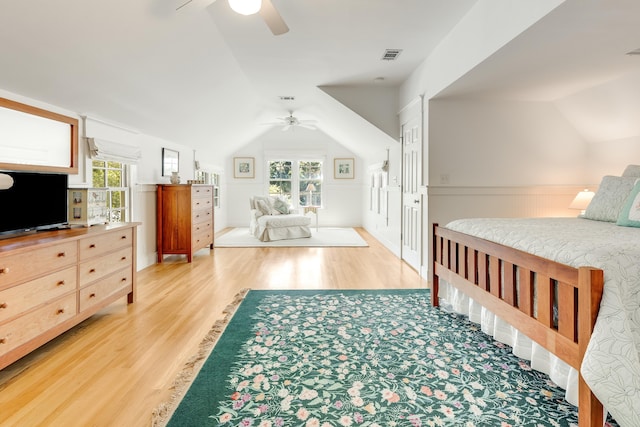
{"points": [[411, 197]]}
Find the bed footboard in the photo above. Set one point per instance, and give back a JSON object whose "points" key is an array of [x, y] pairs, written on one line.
{"points": [[523, 289]]}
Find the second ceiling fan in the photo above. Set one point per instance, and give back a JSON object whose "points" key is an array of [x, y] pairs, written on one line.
{"points": [[265, 8]]}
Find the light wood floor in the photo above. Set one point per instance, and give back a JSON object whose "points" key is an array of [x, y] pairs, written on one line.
{"points": [[116, 367]]}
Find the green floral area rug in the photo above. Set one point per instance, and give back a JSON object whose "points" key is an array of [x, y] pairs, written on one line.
{"points": [[363, 358]]}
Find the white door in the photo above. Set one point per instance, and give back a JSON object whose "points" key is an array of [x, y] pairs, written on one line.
{"points": [[411, 181]]}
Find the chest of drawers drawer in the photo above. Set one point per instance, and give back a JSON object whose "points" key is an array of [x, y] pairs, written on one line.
{"points": [[98, 245], [17, 268], [99, 291], [24, 297], [32, 324], [95, 269]]}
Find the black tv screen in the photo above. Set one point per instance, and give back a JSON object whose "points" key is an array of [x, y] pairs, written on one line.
{"points": [[33, 201]]}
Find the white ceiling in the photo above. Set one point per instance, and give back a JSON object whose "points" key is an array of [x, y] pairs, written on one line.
{"points": [[207, 77], [579, 45]]}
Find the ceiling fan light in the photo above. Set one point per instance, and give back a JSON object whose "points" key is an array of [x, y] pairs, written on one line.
{"points": [[245, 7]]}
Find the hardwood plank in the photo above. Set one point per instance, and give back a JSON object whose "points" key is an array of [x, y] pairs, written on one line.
{"points": [[117, 366]]}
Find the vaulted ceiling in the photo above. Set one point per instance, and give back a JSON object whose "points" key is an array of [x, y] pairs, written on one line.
{"points": [[206, 77]]}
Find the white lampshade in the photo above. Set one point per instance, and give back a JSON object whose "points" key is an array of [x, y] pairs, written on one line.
{"points": [[582, 200], [311, 187], [245, 7]]}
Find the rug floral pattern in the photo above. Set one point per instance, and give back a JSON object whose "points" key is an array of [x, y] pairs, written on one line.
{"points": [[373, 360]]}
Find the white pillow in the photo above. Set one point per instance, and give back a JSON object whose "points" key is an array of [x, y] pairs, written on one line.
{"points": [[630, 213], [632, 170], [610, 198], [262, 207]]}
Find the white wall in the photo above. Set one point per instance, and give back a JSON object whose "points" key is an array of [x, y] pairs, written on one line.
{"points": [[342, 197], [606, 117], [377, 104]]}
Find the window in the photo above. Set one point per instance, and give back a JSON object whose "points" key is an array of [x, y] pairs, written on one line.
{"points": [[280, 179], [299, 182], [310, 183], [112, 175]]}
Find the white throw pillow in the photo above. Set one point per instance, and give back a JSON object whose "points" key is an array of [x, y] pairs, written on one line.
{"points": [[630, 213], [632, 170], [263, 208], [610, 198]]}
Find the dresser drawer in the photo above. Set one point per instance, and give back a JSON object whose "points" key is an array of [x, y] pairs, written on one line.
{"points": [[202, 239], [29, 326], [23, 297], [98, 245], [202, 215], [201, 203], [24, 266], [95, 269], [204, 191], [202, 227], [97, 292]]}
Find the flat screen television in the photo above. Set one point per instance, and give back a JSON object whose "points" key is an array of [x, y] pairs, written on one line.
{"points": [[33, 201]]}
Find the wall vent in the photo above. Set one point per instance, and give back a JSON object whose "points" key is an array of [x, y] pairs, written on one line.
{"points": [[287, 98], [391, 54]]}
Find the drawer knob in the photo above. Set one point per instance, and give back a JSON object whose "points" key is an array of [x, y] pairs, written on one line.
{"points": [[3, 305], [3, 340], [93, 245], [124, 279], [124, 237], [92, 296], [60, 311], [93, 270], [61, 254], [4, 270], [60, 283], [123, 258]]}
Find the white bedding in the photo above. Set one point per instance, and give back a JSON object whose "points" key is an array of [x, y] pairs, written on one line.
{"points": [[612, 362]]}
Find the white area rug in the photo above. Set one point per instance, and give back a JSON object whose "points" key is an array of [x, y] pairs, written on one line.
{"points": [[240, 238]]}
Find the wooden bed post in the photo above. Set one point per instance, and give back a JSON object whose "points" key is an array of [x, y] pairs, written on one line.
{"points": [[435, 281], [591, 283]]}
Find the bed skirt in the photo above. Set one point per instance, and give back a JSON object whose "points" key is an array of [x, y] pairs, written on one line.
{"points": [[562, 374]]}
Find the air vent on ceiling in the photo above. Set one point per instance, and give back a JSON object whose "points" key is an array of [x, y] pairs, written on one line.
{"points": [[634, 52], [391, 54], [287, 98]]}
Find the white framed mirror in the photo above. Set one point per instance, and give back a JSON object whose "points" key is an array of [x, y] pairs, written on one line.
{"points": [[37, 140]]}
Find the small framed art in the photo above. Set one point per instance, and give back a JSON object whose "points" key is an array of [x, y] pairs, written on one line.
{"points": [[244, 167], [170, 161], [343, 168]]}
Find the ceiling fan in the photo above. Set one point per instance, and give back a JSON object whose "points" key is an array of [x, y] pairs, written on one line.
{"points": [[291, 122], [266, 9]]}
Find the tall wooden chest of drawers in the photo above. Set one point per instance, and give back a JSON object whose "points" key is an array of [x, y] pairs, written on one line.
{"points": [[184, 219], [51, 281]]}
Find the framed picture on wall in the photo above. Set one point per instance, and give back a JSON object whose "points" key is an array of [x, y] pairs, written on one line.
{"points": [[244, 167], [343, 168], [170, 161]]}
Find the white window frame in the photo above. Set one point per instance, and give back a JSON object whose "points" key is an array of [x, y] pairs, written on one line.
{"points": [[295, 159], [126, 172]]}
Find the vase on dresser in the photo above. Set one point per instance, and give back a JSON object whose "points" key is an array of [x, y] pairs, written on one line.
{"points": [[175, 178]]}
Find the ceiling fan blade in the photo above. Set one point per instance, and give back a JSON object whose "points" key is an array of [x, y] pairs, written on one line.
{"points": [[286, 128], [312, 127], [273, 19]]}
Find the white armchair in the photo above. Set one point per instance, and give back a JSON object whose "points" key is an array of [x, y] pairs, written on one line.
{"points": [[272, 219]]}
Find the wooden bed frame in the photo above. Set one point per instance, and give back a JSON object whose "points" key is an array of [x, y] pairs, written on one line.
{"points": [[505, 280]]}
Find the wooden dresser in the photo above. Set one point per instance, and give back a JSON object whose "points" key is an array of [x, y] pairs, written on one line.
{"points": [[185, 219], [51, 281]]}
